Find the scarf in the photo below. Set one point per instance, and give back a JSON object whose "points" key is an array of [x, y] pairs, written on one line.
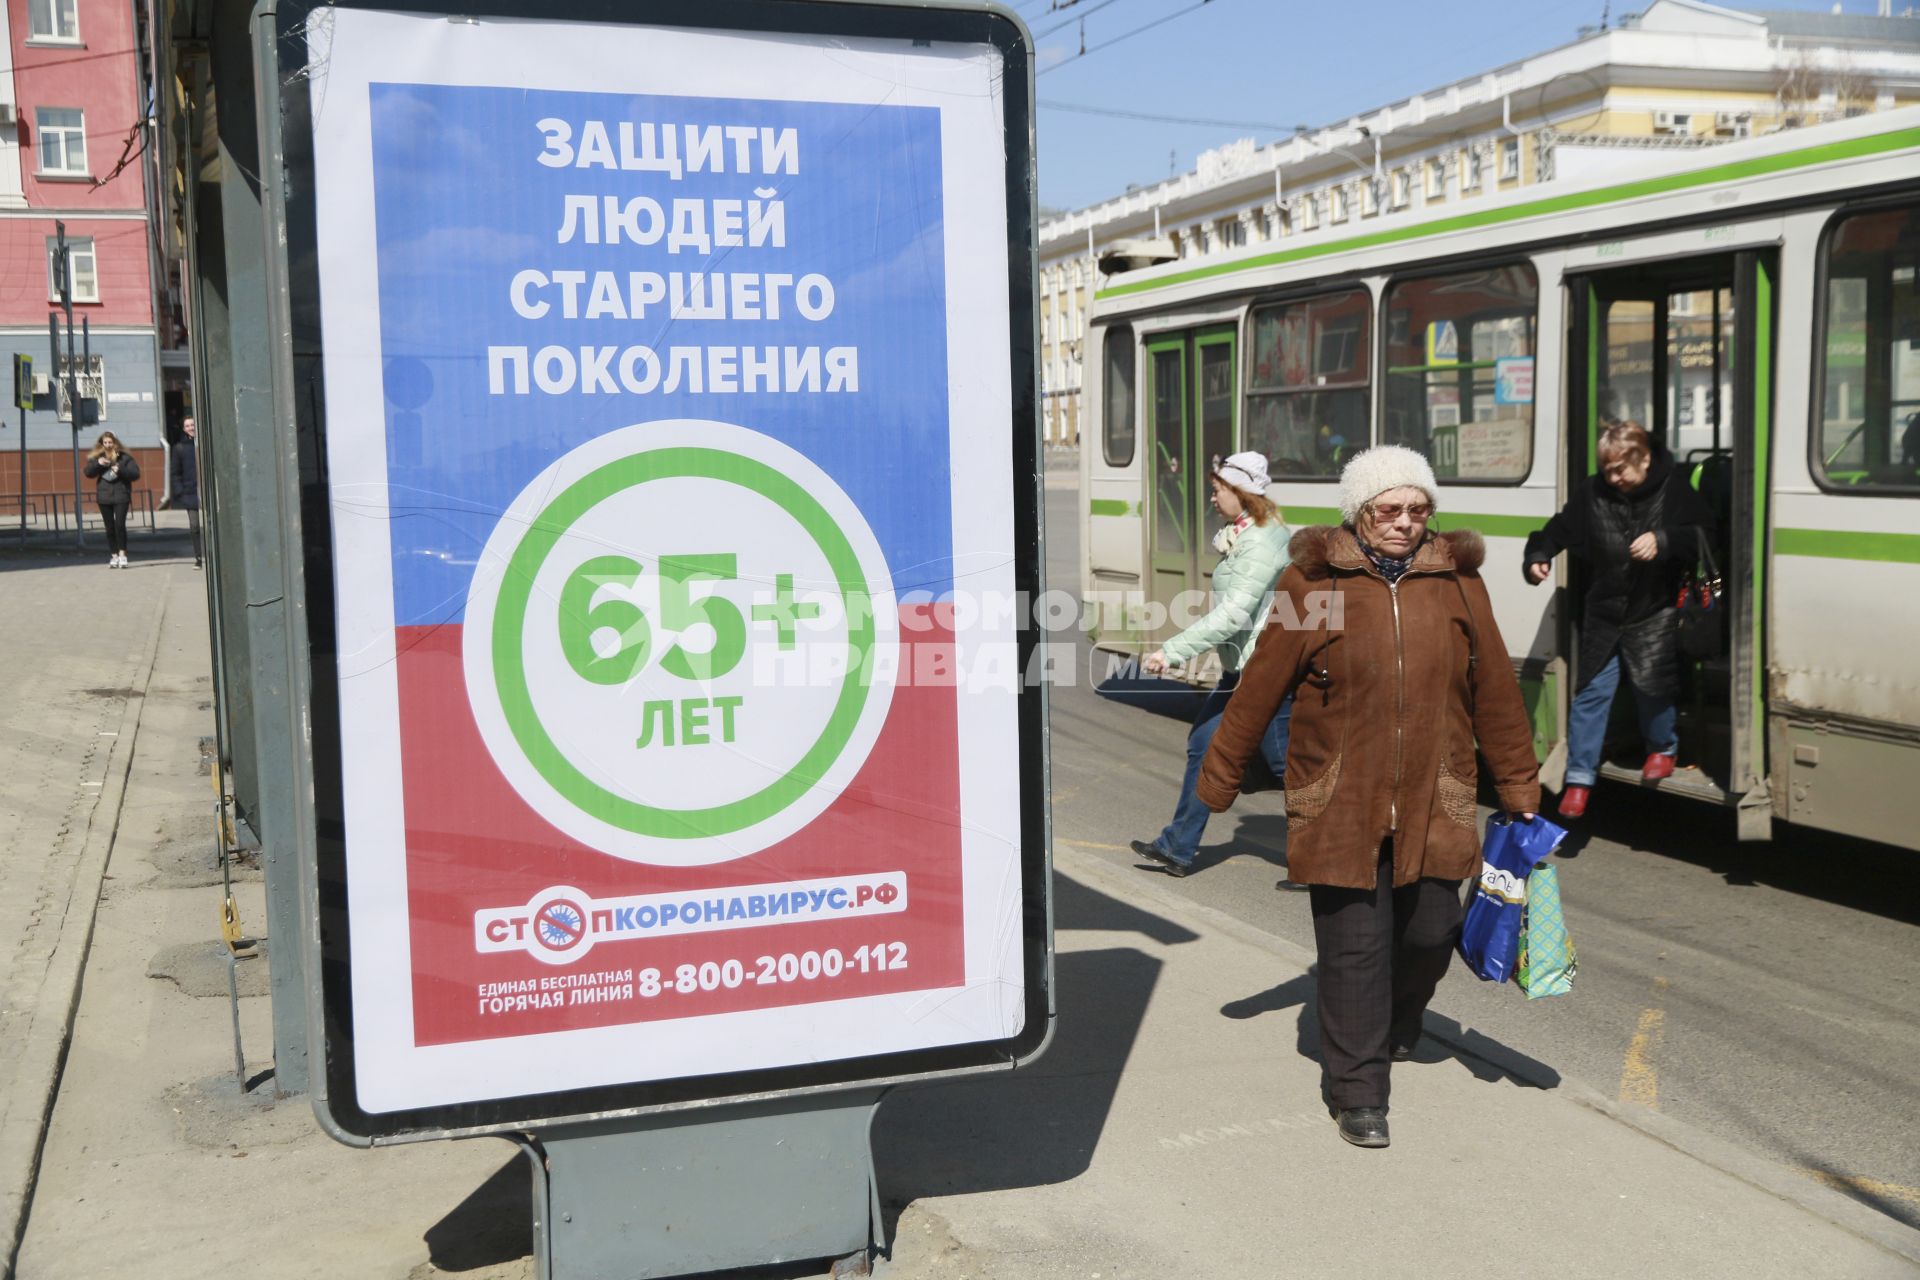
{"points": [[1389, 568], [1223, 541]]}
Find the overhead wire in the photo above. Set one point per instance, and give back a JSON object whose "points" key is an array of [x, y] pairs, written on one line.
{"points": [[1108, 44], [1061, 26]]}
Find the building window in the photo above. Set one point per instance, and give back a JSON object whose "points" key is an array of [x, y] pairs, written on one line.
{"points": [[1436, 179], [1460, 361], [83, 270], [1402, 188], [1510, 160], [53, 20], [1307, 398], [1309, 212], [1369, 198], [63, 141], [1340, 198], [91, 375], [1475, 162], [1116, 427], [1868, 435], [1233, 232]]}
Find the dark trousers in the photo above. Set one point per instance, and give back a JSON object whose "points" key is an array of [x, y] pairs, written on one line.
{"points": [[193, 528], [114, 516], [1382, 953]]}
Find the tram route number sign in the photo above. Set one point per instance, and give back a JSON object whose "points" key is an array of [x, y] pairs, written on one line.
{"points": [[661, 753]]}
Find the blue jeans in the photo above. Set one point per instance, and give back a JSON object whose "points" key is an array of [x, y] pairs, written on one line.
{"points": [[1587, 723], [1181, 838]]}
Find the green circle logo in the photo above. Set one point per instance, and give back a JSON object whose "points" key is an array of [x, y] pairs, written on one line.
{"points": [[518, 686]]}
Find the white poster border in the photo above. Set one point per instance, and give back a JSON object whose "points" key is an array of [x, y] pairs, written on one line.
{"points": [[351, 49]]}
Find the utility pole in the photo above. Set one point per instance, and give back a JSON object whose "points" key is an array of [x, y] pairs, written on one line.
{"points": [[63, 271]]}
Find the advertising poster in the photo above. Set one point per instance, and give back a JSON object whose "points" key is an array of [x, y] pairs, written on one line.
{"points": [[667, 389]]}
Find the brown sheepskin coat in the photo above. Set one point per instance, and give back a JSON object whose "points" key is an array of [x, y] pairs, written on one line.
{"points": [[1387, 713]]}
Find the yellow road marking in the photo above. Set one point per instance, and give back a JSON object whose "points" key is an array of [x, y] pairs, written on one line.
{"points": [[1864, 1186], [1090, 844], [1639, 1076]]}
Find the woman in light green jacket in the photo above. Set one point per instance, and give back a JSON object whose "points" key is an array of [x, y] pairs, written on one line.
{"points": [[1253, 548]]}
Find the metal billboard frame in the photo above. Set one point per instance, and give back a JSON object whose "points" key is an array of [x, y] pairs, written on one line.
{"points": [[284, 114]]}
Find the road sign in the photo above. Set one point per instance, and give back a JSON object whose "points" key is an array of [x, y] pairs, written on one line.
{"points": [[682, 748], [22, 381]]}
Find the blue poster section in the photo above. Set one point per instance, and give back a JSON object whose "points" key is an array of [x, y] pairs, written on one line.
{"points": [[462, 204]]}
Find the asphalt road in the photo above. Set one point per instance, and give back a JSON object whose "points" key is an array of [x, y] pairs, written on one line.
{"points": [[1768, 994]]}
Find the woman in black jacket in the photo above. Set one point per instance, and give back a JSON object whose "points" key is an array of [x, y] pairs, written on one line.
{"points": [[116, 471], [1638, 525]]}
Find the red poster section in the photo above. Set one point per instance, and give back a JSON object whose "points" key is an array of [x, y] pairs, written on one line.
{"points": [[473, 845]]}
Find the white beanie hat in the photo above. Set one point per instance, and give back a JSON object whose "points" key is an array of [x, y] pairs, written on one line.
{"points": [[1372, 472], [1245, 471]]}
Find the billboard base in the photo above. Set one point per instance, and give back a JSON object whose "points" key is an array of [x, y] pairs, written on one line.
{"points": [[707, 1190]]}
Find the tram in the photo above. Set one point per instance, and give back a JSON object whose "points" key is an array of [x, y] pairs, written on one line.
{"points": [[1754, 306]]}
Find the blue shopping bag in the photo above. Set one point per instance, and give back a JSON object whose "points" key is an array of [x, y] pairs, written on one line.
{"points": [[1490, 935]]}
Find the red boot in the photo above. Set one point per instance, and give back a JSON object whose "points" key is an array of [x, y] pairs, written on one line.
{"points": [[1658, 766], [1573, 801]]}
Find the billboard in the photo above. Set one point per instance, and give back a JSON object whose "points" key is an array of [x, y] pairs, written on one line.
{"points": [[673, 420]]}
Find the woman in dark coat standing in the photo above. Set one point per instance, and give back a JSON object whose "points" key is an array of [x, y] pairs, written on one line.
{"points": [[183, 488], [1402, 675], [115, 470], [1638, 525]]}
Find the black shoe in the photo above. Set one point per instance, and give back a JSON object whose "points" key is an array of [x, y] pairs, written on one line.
{"points": [[1403, 1052], [1364, 1126], [1154, 853]]}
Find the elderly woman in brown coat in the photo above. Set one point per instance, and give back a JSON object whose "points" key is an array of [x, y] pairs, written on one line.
{"points": [[1399, 670]]}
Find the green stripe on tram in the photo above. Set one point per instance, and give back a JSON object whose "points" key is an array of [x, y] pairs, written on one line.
{"points": [[1760, 166], [1109, 507], [1846, 544], [1300, 517]]}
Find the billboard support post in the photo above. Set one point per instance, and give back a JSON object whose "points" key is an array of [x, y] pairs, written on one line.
{"points": [[713, 1190]]}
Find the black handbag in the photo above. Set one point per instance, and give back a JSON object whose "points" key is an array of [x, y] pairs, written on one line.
{"points": [[1703, 620]]}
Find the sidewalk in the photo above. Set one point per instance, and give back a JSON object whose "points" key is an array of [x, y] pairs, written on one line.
{"points": [[1174, 1127]]}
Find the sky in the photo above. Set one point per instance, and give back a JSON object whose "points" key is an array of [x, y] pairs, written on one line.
{"points": [[1271, 63]]}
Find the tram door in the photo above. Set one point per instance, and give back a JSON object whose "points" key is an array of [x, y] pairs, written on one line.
{"points": [[1684, 348], [1192, 392]]}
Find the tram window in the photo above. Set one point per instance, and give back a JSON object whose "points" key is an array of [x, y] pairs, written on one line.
{"points": [[1460, 363], [1116, 427], [1307, 393], [1869, 432]]}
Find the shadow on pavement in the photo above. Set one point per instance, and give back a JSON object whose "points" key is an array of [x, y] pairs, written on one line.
{"points": [[494, 1225], [1077, 907], [1486, 1058], [1032, 1128], [1038, 1126], [1857, 874]]}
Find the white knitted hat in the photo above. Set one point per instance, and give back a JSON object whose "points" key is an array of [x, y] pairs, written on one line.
{"points": [[1373, 471]]}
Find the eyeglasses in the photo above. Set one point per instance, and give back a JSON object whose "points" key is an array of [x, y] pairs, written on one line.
{"points": [[1390, 511]]}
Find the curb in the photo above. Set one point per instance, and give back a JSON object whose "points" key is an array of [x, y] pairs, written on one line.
{"points": [[44, 1057], [1777, 1180]]}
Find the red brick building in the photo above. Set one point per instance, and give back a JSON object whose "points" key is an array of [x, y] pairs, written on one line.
{"points": [[73, 133]]}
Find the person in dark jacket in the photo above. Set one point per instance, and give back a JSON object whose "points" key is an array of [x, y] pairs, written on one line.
{"points": [[1638, 526], [184, 482], [115, 470], [1404, 674]]}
